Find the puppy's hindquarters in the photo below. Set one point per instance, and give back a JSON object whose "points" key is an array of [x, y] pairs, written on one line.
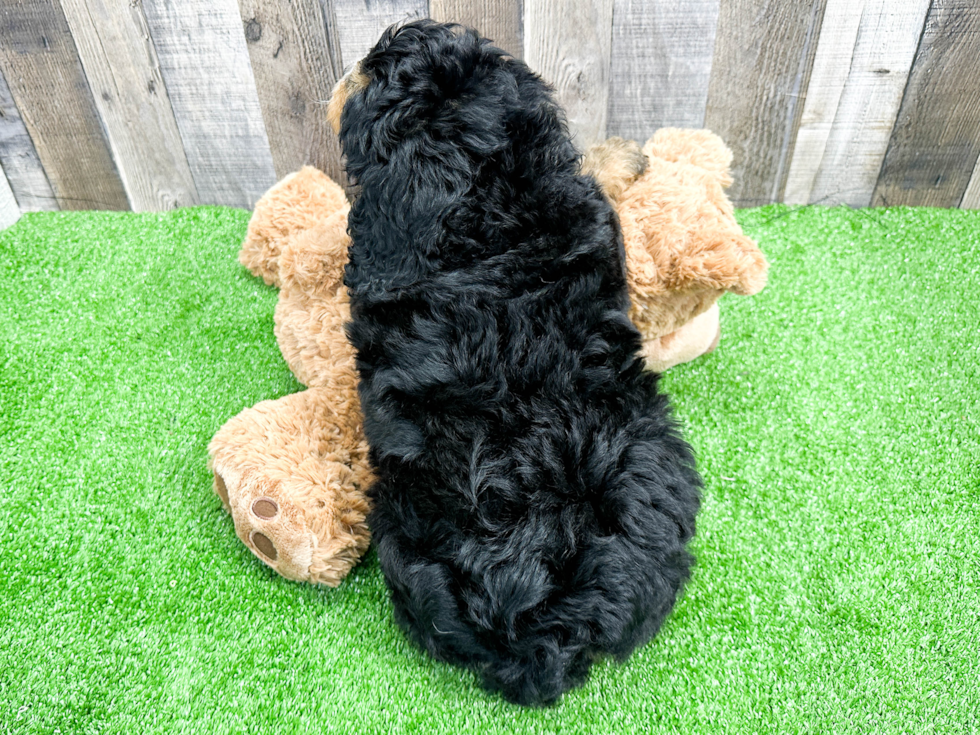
{"points": [[530, 604]]}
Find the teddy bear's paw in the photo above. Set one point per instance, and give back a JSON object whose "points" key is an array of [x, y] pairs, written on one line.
{"points": [[221, 490], [264, 509], [697, 337], [267, 520], [309, 525], [272, 525]]}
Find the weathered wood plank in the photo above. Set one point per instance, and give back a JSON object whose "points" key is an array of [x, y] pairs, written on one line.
{"points": [[763, 56], [296, 65], [9, 211], [831, 64], [496, 19], [569, 45], [661, 65], [935, 144], [204, 62], [862, 64], [120, 62], [40, 63], [19, 159], [361, 23], [971, 199]]}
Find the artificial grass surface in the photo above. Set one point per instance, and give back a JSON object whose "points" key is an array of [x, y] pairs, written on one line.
{"points": [[837, 427]]}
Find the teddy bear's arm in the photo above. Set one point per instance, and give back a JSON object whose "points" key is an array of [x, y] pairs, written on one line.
{"points": [[293, 473], [298, 202]]}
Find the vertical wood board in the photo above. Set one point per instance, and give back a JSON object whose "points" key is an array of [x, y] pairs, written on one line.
{"points": [[123, 71], [39, 60], [296, 63], [20, 161], [935, 144], [361, 23], [569, 45], [831, 64], [205, 64], [971, 199], [9, 211], [499, 20], [762, 60], [661, 65], [858, 80]]}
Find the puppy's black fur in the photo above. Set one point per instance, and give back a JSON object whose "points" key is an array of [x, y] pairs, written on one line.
{"points": [[534, 497]]}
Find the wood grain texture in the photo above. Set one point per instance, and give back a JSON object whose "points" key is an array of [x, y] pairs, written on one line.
{"points": [[361, 23], [661, 65], [201, 48], [761, 65], [121, 64], [496, 19], [9, 211], [859, 74], [935, 144], [19, 159], [296, 64], [40, 63], [569, 45], [971, 199]]}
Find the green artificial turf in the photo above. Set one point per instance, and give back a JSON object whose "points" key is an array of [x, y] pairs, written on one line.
{"points": [[838, 545]]}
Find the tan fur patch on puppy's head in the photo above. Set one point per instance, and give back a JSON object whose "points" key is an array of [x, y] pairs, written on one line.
{"points": [[353, 82]]}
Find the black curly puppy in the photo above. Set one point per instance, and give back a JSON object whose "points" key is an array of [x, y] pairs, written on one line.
{"points": [[534, 497]]}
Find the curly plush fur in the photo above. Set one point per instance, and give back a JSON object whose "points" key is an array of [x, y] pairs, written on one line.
{"points": [[534, 497], [293, 472]]}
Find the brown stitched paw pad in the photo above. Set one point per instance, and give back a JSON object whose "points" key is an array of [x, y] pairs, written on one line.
{"points": [[265, 508], [265, 546]]}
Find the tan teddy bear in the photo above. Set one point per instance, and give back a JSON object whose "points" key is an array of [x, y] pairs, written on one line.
{"points": [[684, 248], [293, 472]]}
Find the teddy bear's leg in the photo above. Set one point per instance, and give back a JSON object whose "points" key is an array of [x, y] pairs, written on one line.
{"points": [[293, 474], [695, 338], [295, 204], [614, 164]]}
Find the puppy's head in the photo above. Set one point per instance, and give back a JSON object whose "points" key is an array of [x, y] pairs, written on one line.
{"points": [[422, 80], [443, 134]]}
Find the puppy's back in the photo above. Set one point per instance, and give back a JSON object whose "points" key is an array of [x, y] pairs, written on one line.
{"points": [[534, 497]]}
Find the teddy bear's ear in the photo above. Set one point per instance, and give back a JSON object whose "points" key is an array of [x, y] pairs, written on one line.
{"points": [[700, 148], [723, 262], [296, 203], [614, 164]]}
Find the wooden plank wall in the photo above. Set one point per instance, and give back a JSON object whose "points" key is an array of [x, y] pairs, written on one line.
{"points": [[862, 65], [295, 66], [934, 148], [9, 211], [40, 62], [155, 104], [18, 158]]}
